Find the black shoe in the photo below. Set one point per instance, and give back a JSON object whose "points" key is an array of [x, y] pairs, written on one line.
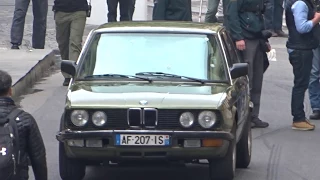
{"points": [[66, 82], [15, 46], [257, 123], [315, 115], [280, 33]]}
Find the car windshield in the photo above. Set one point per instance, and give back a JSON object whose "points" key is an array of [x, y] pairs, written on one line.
{"points": [[191, 55]]}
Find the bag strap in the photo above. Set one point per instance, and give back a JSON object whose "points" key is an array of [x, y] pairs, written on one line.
{"points": [[12, 121]]}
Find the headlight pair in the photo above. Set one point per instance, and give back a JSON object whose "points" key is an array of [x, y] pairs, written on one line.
{"points": [[206, 119], [81, 117]]}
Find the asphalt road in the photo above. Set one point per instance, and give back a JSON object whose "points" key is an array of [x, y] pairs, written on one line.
{"points": [[279, 153]]}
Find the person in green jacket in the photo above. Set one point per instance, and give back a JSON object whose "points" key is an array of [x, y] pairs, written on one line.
{"points": [[172, 10], [245, 23]]}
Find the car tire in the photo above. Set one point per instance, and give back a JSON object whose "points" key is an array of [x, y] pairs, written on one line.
{"points": [[70, 169], [244, 146], [225, 168]]}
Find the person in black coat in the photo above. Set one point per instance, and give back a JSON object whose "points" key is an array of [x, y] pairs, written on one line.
{"points": [[172, 10], [30, 140]]}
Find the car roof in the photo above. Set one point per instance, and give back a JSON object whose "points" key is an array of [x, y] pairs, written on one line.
{"points": [[160, 26]]}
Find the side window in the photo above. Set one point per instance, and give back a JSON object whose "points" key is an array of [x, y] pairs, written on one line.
{"points": [[229, 44]]}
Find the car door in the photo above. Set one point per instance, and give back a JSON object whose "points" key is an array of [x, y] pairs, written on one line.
{"points": [[241, 88]]}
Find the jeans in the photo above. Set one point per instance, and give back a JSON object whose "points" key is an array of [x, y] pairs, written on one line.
{"points": [[301, 61], [124, 10], [40, 11], [273, 15], [314, 84], [213, 9]]}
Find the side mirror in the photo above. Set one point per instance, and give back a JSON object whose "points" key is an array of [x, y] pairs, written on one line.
{"points": [[69, 67], [238, 70]]}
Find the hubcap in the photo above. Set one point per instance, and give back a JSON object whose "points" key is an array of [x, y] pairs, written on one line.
{"points": [[234, 159], [249, 142]]}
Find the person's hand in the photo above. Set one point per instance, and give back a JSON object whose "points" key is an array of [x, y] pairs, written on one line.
{"points": [[316, 18], [317, 15], [269, 46], [241, 45]]}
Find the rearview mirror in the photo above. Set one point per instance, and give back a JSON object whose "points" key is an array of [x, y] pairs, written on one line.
{"points": [[69, 67], [238, 70]]}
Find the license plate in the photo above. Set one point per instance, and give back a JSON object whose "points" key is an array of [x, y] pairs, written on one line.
{"points": [[142, 140]]}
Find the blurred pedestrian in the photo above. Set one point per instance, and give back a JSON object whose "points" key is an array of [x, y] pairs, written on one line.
{"points": [[172, 10], [40, 12], [70, 18], [20, 138], [212, 10], [125, 6], [131, 10], [301, 19], [273, 17], [314, 85], [245, 24]]}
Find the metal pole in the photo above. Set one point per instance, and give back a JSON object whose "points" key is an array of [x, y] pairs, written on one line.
{"points": [[200, 11]]}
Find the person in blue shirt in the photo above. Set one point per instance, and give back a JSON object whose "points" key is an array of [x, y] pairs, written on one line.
{"points": [[301, 20]]}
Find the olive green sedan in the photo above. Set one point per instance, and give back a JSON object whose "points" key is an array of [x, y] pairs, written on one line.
{"points": [[167, 91]]}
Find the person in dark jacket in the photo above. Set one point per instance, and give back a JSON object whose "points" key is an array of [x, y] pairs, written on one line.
{"points": [[245, 23], [70, 17], [172, 10], [30, 140], [301, 20], [40, 12]]}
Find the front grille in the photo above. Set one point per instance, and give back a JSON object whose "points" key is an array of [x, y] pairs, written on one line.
{"points": [[134, 117], [150, 117], [160, 119]]}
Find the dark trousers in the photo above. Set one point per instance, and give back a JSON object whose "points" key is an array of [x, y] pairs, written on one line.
{"points": [[69, 33], [253, 55], [132, 8], [124, 10], [40, 11], [301, 61], [274, 15]]}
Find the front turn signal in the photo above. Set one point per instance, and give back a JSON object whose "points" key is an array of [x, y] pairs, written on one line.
{"points": [[212, 142]]}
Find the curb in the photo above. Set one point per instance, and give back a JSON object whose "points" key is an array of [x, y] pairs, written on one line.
{"points": [[35, 74]]}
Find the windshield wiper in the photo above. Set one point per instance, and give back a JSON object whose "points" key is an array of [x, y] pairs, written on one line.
{"points": [[169, 75], [118, 75]]}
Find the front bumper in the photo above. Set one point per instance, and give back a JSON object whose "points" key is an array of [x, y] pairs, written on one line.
{"points": [[176, 150]]}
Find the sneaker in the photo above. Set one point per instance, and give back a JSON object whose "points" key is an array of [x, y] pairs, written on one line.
{"points": [[15, 46], [257, 123], [315, 115], [280, 33], [66, 82], [303, 126]]}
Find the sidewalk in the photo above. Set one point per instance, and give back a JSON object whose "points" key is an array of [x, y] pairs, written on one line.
{"points": [[26, 65]]}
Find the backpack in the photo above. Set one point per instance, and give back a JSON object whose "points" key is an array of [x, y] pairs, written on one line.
{"points": [[9, 145]]}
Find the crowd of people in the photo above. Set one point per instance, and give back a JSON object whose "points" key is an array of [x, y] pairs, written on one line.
{"points": [[247, 21]]}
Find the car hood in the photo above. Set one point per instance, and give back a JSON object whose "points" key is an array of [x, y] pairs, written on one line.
{"points": [[151, 95]]}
